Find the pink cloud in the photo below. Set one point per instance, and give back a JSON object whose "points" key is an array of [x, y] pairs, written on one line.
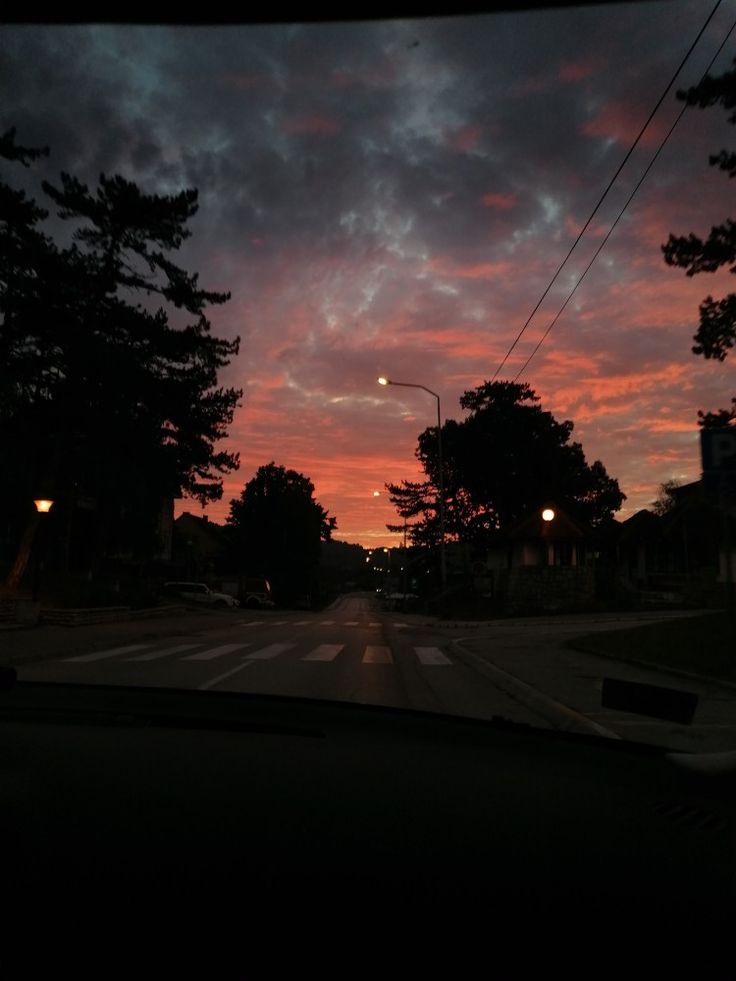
{"points": [[501, 201], [615, 121], [444, 266], [465, 139], [576, 71], [317, 124]]}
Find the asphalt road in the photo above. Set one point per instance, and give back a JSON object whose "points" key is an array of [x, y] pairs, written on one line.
{"points": [[352, 652], [520, 670]]}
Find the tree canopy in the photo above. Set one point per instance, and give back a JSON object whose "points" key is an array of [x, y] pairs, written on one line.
{"points": [[716, 333], [506, 458], [278, 527], [666, 497], [110, 370]]}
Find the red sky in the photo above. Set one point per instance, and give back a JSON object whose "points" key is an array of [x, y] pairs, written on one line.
{"points": [[381, 206]]}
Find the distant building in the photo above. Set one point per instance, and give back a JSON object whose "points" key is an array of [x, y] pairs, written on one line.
{"points": [[544, 563], [200, 546], [683, 553]]}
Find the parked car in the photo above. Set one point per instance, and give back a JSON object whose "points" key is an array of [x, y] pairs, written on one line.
{"points": [[199, 592], [255, 594]]}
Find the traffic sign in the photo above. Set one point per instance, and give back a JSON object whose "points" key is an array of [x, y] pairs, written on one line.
{"points": [[718, 452]]}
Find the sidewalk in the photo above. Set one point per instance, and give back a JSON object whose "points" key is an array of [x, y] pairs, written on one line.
{"points": [[563, 685]]}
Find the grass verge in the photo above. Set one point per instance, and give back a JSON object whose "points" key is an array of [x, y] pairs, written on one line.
{"points": [[704, 645]]}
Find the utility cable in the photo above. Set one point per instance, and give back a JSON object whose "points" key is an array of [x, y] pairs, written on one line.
{"points": [[623, 209], [608, 188]]}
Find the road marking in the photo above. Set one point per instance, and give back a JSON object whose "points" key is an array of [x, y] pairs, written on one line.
{"points": [[250, 623], [302, 623], [265, 653], [212, 652], [278, 623], [326, 623], [154, 655], [350, 623], [221, 677], [325, 652], [400, 625], [431, 655], [374, 624], [100, 655], [376, 654]]}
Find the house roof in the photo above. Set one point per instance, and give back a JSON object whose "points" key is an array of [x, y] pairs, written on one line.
{"points": [[561, 527], [644, 525], [207, 535]]}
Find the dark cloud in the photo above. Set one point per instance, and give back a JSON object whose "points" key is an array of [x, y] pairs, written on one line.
{"points": [[376, 204]]}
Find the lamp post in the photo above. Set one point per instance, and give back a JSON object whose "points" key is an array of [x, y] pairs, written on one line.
{"points": [[443, 565], [43, 506]]}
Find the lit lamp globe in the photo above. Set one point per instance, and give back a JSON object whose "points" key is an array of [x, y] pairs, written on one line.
{"points": [[43, 505], [548, 514]]}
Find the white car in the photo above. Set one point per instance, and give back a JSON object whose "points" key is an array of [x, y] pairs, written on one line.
{"points": [[199, 592]]}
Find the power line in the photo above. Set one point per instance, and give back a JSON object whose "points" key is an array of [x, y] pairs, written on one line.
{"points": [[608, 188], [621, 212]]}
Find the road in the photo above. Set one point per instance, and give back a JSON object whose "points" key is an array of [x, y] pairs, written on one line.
{"points": [[520, 670], [351, 652]]}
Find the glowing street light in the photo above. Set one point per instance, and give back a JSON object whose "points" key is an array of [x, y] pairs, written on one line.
{"points": [[43, 506], [548, 514], [383, 380]]}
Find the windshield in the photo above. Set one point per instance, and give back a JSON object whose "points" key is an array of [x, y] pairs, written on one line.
{"points": [[383, 361]]}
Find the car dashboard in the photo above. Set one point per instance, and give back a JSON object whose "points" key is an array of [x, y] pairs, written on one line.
{"points": [[118, 792]]}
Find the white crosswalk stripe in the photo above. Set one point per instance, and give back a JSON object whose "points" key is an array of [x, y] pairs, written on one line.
{"points": [[155, 655], [376, 654], [213, 652], [101, 655], [324, 652], [266, 653], [431, 655], [371, 653]]}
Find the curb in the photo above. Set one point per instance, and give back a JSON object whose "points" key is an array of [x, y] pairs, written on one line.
{"points": [[559, 716]]}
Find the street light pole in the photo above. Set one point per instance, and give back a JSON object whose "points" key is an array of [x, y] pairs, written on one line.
{"points": [[443, 565], [43, 506]]}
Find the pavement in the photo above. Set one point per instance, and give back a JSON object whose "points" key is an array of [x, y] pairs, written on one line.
{"points": [[531, 661]]}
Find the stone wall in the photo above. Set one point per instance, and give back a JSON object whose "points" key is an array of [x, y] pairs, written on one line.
{"points": [[546, 589]]}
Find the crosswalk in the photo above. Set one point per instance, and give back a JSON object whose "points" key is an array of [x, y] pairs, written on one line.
{"points": [[321, 623], [246, 651]]}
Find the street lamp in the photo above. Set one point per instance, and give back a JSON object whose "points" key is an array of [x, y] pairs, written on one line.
{"points": [[43, 506], [443, 565]]}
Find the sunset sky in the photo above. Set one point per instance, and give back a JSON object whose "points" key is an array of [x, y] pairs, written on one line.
{"points": [[393, 198]]}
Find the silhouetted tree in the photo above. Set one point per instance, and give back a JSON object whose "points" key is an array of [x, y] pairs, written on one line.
{"points": [[112, 388], [716, 333], [665, 500], [277, 527], [506, 458]]}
